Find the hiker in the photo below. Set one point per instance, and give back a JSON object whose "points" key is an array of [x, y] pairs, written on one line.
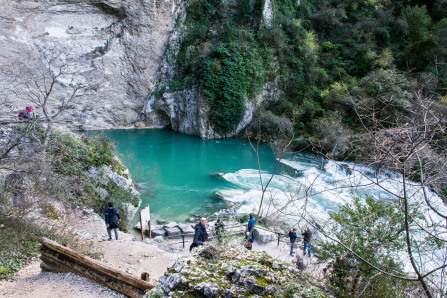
{"points": [[219, 229], [29, 111], [292, 236], [200, 234], [307, 234], [250, 237], [112, 222]]}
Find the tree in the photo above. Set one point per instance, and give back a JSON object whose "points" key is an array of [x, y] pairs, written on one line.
{"points": [[408, 156], [46, 78], [415, 147], [373, 229], [282, 146]]}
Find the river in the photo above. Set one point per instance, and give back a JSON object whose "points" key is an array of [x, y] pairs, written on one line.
{"points": [[183, 176]]}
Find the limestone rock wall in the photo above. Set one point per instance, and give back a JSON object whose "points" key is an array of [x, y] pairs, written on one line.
{"points": [[116, 47], [185, 110], [122, 51]]}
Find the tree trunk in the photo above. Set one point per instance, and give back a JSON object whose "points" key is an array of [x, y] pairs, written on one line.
{"points": [[45, 141]]}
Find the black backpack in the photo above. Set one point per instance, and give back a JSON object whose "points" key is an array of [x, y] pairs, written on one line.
{"points": [[113, 220]]}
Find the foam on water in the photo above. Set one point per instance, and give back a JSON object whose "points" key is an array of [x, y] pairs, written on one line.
{"points": [[327, 187]]}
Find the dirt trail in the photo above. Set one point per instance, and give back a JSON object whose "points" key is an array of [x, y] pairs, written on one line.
{"points": [[128, 254]]}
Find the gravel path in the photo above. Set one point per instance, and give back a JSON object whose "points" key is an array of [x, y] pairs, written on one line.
{"points": [[127, 254], [31, 282]]}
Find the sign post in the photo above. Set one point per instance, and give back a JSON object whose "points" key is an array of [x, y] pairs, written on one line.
{"points": [[145, 220]]}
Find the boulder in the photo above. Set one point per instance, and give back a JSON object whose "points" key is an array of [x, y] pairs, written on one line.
{"points": [[264, 236], [179, 265], [172, 282], [172, 231], [211, 290], [158, 232], [171, 225], [208, 289], [270, 290], [248, 283], [186, 229]]}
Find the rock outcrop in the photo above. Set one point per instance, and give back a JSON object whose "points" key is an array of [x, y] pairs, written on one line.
{"points": [[114, 49], [183, 110], [122, 53], [233, 271]]}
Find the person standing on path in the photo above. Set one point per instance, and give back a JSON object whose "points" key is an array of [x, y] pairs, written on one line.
{"points": [[307, 234], [200, 234], [250, 236], [112, 218], [292, 236]]}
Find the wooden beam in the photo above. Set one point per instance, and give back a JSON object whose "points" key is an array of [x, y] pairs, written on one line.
{"points": [[56, 257]]}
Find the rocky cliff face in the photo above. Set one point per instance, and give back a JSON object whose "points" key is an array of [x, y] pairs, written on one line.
{"points": [[116, 48], [122, 52], [186, 110]]}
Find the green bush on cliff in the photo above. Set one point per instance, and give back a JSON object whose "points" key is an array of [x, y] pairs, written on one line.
{"points": [[229, 52], [70, 158], [223, 85], [223, 55]]}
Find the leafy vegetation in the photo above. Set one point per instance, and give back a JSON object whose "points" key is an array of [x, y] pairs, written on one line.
{"points": [[71, 157], [19, 241], [63, 178], [223, 85], [375, 231], [317, 53]]}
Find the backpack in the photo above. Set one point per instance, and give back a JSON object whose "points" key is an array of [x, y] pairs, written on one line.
{"points": [[112, 219]]}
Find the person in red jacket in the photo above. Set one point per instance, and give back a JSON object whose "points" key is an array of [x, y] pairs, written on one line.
{"points": [[292, 236]]}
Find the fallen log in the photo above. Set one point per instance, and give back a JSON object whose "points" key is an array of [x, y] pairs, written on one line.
{"points": [[56, 257]]}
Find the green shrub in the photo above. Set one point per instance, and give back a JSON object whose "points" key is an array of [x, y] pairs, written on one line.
{"points": [[3, 271], [223, 82], [19, 243], [48, 210]]}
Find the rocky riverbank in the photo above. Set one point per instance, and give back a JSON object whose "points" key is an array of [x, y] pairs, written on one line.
{"points": [[232, 271], [156, 256]]}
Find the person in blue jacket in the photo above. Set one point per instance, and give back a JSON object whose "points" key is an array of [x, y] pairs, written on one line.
{"points": [[250, 236], [200, 234], [112, 219]]}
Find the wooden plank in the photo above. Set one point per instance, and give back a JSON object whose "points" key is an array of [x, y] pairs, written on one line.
{"points": [[54, 262], [93, 264]]}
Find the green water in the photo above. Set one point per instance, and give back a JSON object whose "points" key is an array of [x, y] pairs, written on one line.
{"points": [[178, 172], [183, 176]]}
